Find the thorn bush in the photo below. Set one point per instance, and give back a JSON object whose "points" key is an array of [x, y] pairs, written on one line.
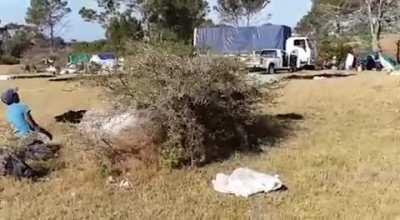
{"points": [[204, 105]]}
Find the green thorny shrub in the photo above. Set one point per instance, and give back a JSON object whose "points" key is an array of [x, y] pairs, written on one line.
{"points": [[203, 105], [334, 46]]}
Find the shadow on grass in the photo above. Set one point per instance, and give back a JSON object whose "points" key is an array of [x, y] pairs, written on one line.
{"points": [[269, 130], [265, 132], [323, 75], [224, 137]]}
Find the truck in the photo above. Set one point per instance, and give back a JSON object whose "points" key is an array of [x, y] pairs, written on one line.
{"points": [[269, 47]]}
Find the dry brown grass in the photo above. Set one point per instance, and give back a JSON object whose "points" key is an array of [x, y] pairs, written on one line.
{"points": [[340, 163], [11, 69]]}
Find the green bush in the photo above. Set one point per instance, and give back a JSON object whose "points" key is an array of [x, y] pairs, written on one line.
{"points": [[203, 105], [92, 47], [16, 45], [331, 47], [122, 29], [9, 60], [177, 48]]}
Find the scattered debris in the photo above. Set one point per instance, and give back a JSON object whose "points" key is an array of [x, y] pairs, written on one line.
{"points": [[290, 116], [69, 70], [74, 77], [111, 180], [123, 184], [24, 76], [246, 182], [51, 69], [32, 76], [5, 77], [39, 151], [320, 76], [67, 77]]}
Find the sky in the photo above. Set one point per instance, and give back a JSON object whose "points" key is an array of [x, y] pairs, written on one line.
{"points": [[287, 12]]}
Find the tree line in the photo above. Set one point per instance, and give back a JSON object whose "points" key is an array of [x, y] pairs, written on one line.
{"points": [[333, 23], [146, 19]]}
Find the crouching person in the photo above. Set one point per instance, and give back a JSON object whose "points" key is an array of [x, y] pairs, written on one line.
{"points": [[32, 139], [19, 116]]}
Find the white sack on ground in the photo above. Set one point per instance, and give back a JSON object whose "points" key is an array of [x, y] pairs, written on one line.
{"points": [[100, 125], [349, 61], [246, 182]]}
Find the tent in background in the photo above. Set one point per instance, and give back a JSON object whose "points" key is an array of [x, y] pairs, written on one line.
{"points": [[78, 58], [105, 60]]}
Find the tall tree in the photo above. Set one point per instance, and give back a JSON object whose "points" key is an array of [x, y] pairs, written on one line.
{"points": [[175, 17], [354, 18], [47, 14], [378, 12], [117, 18], [252, 8], [230, 11], [236, 11], [122, 29], [107, 11]]}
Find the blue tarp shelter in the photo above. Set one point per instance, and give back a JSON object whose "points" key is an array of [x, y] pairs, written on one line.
{"points": [[106, 56], [232, 40]]}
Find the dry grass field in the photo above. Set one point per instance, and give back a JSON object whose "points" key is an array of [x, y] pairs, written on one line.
{"points": [[340, 162], [11, 69]]}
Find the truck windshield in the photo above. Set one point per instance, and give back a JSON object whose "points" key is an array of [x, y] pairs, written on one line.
{"points": [[269, 53]]}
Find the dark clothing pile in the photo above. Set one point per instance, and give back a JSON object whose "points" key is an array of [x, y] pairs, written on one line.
{"points": [[13, 162]]}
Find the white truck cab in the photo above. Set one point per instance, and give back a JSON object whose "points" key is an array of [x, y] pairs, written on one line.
{"points": [[298, 55], [303, 48]]}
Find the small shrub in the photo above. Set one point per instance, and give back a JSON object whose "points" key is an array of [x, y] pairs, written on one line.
{"points": [[9, 60], [17, 45], [177, 48], [334, 47], [204, 105]]}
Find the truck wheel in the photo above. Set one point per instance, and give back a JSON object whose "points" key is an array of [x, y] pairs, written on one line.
{"points": [[271, 69]]}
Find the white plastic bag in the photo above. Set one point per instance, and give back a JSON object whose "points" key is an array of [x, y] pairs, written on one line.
{"points": [[349, 61], [246, 182]]}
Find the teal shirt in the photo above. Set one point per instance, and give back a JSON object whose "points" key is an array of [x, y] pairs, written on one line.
{"points": [[16, 115]]}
